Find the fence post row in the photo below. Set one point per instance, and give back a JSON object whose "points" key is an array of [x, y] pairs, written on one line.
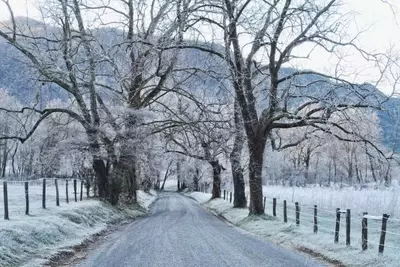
{"points": [[5, 194], [297, 213], [274, 207], [57, 193], [315, 219], [337, 226], [44, 194], [76, 199], [383, 233], [364, 232], [26, 198], [284, 212], [348, 225]]}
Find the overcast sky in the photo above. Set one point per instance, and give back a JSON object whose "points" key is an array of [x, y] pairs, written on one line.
{"points": [[382, 21]]}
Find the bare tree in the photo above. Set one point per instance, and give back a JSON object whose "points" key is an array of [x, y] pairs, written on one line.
{"points": [[270, 97], [65, 56], [98, 67], [201, 134]]}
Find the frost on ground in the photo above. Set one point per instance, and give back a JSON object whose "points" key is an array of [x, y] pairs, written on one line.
{"points": [[289, 235], [372, 199], [32, 240]]}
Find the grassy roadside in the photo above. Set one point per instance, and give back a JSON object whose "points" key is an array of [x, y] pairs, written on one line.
{"points": [[33, 240], [301, 238]]}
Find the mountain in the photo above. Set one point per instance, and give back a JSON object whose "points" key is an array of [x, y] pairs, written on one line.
{"points": [[21, 81]]}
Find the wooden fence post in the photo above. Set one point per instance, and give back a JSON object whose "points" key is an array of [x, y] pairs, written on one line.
{"points": [[364, 232], [5, 194], [66, 190], [383, 233], [337, 225], [76, 199], [274, 207], [44, 194], [348, 225], [284, 212], [265, 200], [230, 197], [297, 213], [26, 198], [315, 219], [57, 193], [81, 196]]}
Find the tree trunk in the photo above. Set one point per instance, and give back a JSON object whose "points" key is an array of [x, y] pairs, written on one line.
{"points": [[131, 178], [256, 149], [216, 190], [4, 163], [178, 174], [133, 185], [101, 174], [239, 200], [238, 188], [165, 179], [196, 180], [13, 159], [372, 168], [124, 179]]}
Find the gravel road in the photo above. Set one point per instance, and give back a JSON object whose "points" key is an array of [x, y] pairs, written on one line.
{"points": [[181, 233]]}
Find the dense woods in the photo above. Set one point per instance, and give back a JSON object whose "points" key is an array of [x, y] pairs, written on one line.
{"points": [[129, 93]]}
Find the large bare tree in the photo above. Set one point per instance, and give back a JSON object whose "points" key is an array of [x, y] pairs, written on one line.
{"points": [[100, 61], [260, 38]]}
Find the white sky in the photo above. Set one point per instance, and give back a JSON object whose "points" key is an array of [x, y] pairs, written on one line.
{"points": [[382, 21]]}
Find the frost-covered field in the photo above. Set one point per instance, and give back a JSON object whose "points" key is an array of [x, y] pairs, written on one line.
{"points": [[31, 240], [374, 201], [16, 196], [288, 234]]}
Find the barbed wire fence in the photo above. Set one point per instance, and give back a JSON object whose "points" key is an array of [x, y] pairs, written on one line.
{"points": [[370, 232]]}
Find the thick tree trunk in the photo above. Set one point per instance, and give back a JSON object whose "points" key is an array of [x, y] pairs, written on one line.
{"points": [[216, 190], [131, 178], [101, 174], [239, 188], [235, 159], [256, 149]]}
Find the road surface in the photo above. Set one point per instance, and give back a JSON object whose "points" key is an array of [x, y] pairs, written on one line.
{"points": [[181, 233]]}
